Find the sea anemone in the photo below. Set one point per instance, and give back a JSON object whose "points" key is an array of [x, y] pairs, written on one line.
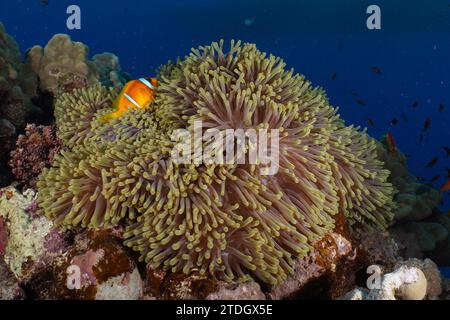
{"points": [[226, 219]]}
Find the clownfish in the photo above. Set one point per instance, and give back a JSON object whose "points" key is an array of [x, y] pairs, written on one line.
{"points": [[137, 94], [390, 142]]}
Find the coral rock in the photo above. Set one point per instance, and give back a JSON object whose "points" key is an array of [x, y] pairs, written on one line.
{"points": [[178, 286], [26, 234], [9, 286], [237, 291], [94, 267], [432, 275]]}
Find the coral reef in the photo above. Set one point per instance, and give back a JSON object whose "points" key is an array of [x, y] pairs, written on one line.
{"points": [[17, 86], [415, 201], [109, 70], [419, 229], [26, 234], [227, 220], [62, 65], [15, 103], [104, 269], [34, 151], [9, 286], [409, 280]]}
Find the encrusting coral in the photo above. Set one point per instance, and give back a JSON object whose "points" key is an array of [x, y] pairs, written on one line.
{"points": [[228, 220]]}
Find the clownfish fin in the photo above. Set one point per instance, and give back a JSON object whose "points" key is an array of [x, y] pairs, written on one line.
{"points": [[107, 117]]}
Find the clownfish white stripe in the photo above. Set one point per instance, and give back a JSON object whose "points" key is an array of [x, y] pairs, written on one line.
{"points": [[147, 83], [132, 101]]}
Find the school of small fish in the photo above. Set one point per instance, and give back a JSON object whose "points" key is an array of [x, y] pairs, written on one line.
{"points": [[403, 116]]}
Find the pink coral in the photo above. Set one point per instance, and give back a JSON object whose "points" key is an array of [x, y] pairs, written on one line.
{"points": [[34, 151]]}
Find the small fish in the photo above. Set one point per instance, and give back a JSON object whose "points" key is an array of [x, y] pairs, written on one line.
{"points": [[432, 162], [44, 3], [407, 156], [427, 124], [333, 76], [415, 104], [137, 94], [394, 122], [340, 46], [445, 186], [440, 16], [405, 118], [434, 178], [376, 70], [391, 145], [370, 122], [360, 102], [447, 151], [441, 107], [421, 179], [448, 172]]}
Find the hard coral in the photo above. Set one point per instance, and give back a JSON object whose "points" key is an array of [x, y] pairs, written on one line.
{"points": [[227, 220], [110, 74], [17, 85], [62, 65], [34, 151]]}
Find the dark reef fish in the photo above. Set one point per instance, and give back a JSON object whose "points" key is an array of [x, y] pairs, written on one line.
{"points": [[435, 178], [44, 3], [441, 107], [405, 118], [415, 104], [376, 70], [432, 162], [394, 122], [426, 124], [333, 76], [448, 172], [360, 102], [370, 122], [447, 151]]}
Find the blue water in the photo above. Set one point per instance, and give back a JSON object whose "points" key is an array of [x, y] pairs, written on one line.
{"points": [[412, 50]]}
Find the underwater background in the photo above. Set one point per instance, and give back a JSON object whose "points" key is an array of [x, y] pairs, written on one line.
{"points": [[389, 80]]}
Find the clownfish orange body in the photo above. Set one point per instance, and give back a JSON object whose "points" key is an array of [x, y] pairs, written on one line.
{"points": [[137, 94]]}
